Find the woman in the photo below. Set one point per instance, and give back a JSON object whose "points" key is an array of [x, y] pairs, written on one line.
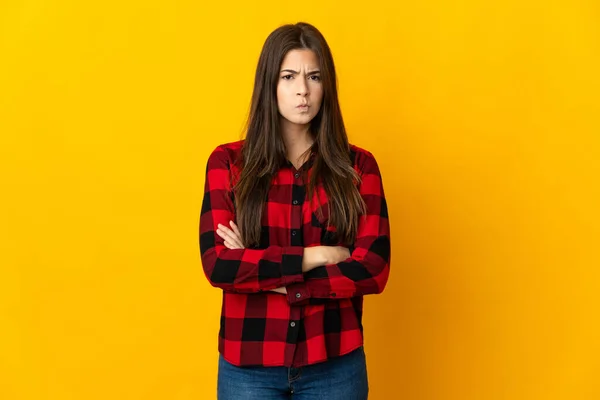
{"points": [[294, 229]]}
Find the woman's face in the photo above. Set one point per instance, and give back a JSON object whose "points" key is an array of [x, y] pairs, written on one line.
{"points": [[299, 84]]}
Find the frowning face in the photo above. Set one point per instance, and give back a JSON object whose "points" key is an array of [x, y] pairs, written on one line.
{"points": [[299, 88]]}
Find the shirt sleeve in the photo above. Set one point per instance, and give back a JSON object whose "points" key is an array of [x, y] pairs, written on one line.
{"points": [[367, 269], [238, 270]]}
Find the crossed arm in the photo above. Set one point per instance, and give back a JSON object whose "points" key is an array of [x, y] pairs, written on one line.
{"points": [[302, 273], [312, 257]]}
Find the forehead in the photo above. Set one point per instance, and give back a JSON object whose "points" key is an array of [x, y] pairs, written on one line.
{"points": [[300, 58]]}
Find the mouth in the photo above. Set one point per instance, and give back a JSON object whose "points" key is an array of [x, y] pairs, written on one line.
{"points": [[303, 106]]}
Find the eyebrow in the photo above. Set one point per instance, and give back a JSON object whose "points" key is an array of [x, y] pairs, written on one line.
{"points": [[296, 72]]}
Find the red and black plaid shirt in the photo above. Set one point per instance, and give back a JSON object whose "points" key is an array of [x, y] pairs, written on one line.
{"points": [[321, 315]]}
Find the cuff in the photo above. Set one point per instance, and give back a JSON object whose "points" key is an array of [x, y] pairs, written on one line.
{"points": [[297, 293], [291, 265]]}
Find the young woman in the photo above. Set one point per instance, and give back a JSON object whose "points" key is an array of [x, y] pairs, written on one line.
{"points": [[294, 229]]}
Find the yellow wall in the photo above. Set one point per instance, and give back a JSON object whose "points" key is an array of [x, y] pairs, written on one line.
{"points": [[485, 121]]}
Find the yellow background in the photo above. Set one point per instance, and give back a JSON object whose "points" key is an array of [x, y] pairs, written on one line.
{"points": [[484, 117]]}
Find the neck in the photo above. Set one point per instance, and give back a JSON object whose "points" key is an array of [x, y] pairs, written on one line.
{"points": [[297, 139]]}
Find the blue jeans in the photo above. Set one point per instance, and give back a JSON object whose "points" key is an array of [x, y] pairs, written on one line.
{"points": [[340, 378]]}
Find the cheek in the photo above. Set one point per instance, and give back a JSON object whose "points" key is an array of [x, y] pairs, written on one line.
{"points": [[318, 102], [282, 96], [318, 94]]}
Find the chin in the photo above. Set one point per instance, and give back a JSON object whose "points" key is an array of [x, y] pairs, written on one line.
{"points": [[299, 120], [302, 121]]}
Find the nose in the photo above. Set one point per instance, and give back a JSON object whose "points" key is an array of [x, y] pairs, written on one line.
{"points": [[302, 87]]}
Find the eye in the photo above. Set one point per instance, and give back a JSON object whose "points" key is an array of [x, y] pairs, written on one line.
{"points": [[285, 77], [317, 78]]}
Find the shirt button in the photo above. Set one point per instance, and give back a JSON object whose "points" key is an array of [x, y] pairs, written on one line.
{"points": [[296, 175], [293, 233], [295, 201], [292, 324], [298, 295]]}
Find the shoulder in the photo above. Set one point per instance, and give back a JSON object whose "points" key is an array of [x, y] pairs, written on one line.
{"points": [[364, 161], [225, 154], [232, 146]]}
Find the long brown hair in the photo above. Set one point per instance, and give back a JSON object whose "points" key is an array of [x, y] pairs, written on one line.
{"points": [[263, 151]]}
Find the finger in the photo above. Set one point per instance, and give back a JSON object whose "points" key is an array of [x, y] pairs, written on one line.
{"points": [[235, 239], [235, 229], [226, 240], [225, 229], [228, 234], [233, 236], [236, 233], [232, 244], [225, 232]]}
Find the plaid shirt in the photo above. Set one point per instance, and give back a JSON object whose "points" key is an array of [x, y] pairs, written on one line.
{"points": [[321, 315]]}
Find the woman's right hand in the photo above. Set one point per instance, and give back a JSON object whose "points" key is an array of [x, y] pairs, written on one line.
{"points": [[337, 254], [318, 256]]}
